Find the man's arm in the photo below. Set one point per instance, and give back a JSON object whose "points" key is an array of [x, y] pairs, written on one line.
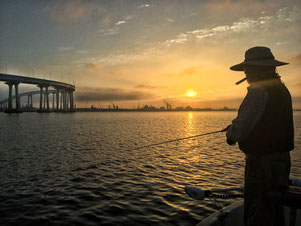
{"points": [[249, 114]]}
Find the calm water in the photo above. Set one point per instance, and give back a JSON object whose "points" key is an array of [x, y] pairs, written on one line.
{"points": [[74, 169]]}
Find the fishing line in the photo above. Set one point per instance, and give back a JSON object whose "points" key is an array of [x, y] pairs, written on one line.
{"points": [[184, 138]]}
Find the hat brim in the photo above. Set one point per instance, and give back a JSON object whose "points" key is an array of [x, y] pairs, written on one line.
{"points": [[241, 66]]}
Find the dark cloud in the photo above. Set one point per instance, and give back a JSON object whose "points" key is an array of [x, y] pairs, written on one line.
{"points": [[221, 102], [111, 94], [90, 65], [141, 86]]}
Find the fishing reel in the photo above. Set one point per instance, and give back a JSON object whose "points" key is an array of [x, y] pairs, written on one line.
{"points": [[199, 194], [291, 199]]}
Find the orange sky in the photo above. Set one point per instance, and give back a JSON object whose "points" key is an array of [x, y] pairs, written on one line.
{"points": [[142, 52]]}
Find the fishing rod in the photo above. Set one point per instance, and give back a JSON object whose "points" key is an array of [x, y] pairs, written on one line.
{"points": [[184, 138]]}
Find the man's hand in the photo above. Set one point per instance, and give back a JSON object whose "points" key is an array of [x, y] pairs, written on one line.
{"points": [[230, 142]]}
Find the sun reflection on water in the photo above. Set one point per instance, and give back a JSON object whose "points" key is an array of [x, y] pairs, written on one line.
{"points": [[190, 126]]}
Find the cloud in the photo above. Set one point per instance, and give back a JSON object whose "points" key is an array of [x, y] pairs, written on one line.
{"points": [[282, 18], [129, 17], [72, 10], [64, 49], [120, 22], [114, 30], [282, 43], [81, 51], [143, 6], [111, 94], [218, 103], [232, 8], [142, 86], [109, 31], [123, 58], [91, 66], [105, 21]]}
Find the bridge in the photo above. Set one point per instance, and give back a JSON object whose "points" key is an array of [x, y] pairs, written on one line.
{"points": [[62, 91]]}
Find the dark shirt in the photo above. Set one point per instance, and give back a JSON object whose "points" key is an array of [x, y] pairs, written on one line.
{"points": [[265, 120]]}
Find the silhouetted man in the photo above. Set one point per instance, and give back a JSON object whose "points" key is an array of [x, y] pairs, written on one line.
{"points": [[264, 131]]}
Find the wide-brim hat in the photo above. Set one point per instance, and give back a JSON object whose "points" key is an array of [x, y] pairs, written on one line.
{"points": [[260, 56]]}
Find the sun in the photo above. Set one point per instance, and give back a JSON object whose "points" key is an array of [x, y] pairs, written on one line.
{"points": [[191, 93]]}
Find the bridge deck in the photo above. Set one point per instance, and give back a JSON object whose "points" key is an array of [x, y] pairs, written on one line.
{"points": [[35, 81]]}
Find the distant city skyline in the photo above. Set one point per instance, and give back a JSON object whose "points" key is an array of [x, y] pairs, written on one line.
{"points": [[142, 52]]}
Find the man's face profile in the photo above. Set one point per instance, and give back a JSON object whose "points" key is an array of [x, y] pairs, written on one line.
{"points": [[252, 73]]}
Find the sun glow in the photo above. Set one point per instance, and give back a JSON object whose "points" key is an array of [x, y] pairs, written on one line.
{"points": [[191, 93]]}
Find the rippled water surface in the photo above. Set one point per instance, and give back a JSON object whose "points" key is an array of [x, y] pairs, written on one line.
{"points": [[80, 169]]}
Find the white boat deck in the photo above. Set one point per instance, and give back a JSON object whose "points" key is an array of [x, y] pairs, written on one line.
{"points": [[234, 216]]}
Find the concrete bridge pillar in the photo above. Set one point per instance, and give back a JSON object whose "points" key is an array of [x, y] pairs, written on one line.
{"points": [[71, 100], [61, 103], [28, 99], [57, 99], [53, 101], [10, 96], [17, 97], [31, 106], [41, 98], [67, 100], [47, 98], [64, 100], [44, 101]]}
